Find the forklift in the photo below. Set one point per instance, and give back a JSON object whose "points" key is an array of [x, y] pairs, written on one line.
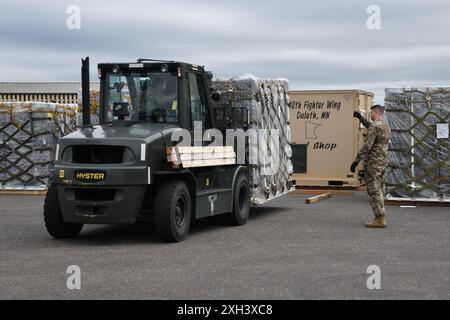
{"points": [[118, 172]]}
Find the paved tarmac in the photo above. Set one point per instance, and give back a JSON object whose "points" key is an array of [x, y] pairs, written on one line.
{"points": [[288, 250]]}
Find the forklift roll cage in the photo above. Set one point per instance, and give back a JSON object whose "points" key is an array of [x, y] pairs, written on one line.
{"points": [[181, 69]]}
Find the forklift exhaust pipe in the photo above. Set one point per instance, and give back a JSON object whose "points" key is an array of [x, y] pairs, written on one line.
{"points": [[85, 93]]}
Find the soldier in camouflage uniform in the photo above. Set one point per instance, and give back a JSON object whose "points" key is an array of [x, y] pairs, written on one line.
{"points": [[374, 153]]}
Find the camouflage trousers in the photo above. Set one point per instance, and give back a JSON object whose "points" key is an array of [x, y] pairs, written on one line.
{"points": [[376, 189]]}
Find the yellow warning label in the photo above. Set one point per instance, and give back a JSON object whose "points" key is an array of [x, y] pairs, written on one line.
{"points": [[61, 174]]}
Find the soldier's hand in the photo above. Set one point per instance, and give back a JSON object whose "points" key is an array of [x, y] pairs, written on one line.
{"points": [[357, 115], [353, 167]]}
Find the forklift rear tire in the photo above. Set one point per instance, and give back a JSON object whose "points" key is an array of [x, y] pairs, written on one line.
{"points": [[173, 211], [54, 222], [241, 202]]}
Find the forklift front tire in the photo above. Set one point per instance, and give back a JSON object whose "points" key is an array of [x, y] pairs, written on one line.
{"points": [[173, 211], [53, 219]]}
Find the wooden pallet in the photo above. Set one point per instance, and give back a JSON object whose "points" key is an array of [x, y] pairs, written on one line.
{"points": [[22, 192], [416, 203], [343, 191], [193, 157]]}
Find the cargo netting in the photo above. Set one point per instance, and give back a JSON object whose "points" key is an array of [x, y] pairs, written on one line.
{"points": [[29, 132], [252, 103], [419, 147]]}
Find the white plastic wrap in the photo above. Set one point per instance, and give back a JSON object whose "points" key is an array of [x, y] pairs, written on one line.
{"points": [[29, 132], [268, 104]]}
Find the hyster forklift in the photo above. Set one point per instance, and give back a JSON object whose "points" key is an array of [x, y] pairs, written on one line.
{"points": [[118, 172]]}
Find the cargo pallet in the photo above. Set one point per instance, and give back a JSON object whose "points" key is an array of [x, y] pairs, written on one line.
{"points": [[22, 192], [418, 172], [417, 203], [317, 190]]}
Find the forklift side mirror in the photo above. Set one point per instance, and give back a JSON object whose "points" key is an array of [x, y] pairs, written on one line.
{"points": [[215, 96]]}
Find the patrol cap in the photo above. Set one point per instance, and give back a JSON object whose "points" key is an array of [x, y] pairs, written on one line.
{"points": [[377, 107]]}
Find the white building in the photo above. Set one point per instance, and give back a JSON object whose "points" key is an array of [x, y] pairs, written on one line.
{"points": [[59, 92]]}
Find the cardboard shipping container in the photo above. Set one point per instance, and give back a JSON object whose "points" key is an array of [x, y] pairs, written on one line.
{"points": [[325, 135]]}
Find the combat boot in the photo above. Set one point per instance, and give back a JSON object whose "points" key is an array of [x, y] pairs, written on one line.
{"points": [[378, 222]]}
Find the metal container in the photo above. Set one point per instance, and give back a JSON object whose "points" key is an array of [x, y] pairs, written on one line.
{"points": [[326, 137]]}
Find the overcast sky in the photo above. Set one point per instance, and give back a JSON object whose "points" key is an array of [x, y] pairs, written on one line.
{"points": [[315, 44]]}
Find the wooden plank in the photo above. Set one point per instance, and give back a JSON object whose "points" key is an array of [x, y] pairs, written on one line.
{"points": [[23, 192], [219, 155], [319, 191], [191, 157], [318, 198], [208, 163], [220, 149], [201, 156], [326, 188]]}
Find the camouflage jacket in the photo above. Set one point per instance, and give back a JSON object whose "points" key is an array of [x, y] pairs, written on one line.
{"points": [[375, 149]]}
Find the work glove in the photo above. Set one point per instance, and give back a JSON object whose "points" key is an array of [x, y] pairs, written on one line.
{"points": [[357, 115], [353, 167]]}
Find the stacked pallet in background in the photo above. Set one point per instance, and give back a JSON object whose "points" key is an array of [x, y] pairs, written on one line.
{"points": [[260, 105], [419, 148], [29, 132]]}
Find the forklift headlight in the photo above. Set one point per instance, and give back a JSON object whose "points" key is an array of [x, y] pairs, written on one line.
{"points": [[116, 69], [164, 68]]}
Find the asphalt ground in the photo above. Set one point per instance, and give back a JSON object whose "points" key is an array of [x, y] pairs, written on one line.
{"points": [[288, 250]]}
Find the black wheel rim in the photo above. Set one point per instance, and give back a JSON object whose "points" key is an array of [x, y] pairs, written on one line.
{"points": [[180, 212]]}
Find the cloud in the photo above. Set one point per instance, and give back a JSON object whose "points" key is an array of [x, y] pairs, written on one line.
{"points": [[320, 44]]}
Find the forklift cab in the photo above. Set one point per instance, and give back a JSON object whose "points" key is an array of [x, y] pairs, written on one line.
{"points": [[155, 91]]}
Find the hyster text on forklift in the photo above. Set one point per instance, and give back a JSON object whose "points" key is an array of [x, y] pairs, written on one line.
{"points": [[120, 172]]}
